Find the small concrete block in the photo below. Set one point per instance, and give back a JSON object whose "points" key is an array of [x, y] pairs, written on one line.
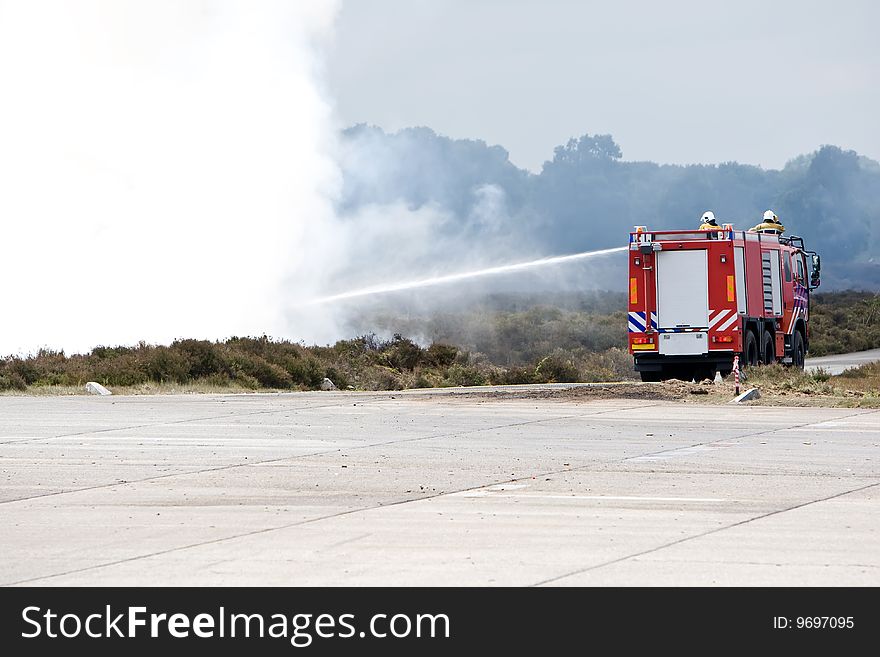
{"points": [[748, 395], [97, 389]]}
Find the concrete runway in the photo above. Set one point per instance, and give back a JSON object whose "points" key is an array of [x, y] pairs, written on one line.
{"points": [[443, 489]]}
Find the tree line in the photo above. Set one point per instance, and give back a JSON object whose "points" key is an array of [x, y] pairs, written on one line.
{"points": [[589, 197]]}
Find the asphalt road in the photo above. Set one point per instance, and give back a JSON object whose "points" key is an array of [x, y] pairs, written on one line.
{"points": [[415, 488], [837, 364]]}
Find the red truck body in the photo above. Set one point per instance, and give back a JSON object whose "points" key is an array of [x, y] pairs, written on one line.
{"points": [[699, 298]]}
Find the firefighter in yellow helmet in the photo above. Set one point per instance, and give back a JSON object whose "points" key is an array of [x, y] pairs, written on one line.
{"points": [[770, 224], [707, 221]]}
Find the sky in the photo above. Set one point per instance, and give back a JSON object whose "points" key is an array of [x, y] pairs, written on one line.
{"points": [[757, 82]]}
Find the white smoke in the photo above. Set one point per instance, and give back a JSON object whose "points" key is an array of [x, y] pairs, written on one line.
{"points": [[164, 168], [171, 169]]}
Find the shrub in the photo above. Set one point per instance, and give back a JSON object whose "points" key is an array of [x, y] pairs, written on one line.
{"points": [[422, 381], [12, 381], [820, 374], [204, 358], [25, 369], [556, 369], [120, 370], [611, 365], [307, 372], [265, 373], [462, 375], [338, 377], [401, 353], [381, 378], [441, 355], [517, 375], [844, 321], [110, 352], [165, 364], [239, 377]]}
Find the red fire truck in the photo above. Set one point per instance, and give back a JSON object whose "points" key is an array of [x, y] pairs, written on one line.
{"points": [[699, 298]]}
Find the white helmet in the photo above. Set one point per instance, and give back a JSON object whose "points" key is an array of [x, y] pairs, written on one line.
{"points": [[770, 216], [708, 217]]}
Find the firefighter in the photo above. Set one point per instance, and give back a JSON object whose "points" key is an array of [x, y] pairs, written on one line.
{"points": [[708, 221], [770, 224]]}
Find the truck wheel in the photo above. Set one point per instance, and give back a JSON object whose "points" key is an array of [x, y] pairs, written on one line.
{"points": [[797, 350], [750, 351], [768, 349], [651, 377]]}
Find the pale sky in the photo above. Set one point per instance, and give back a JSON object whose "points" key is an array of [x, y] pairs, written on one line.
{"points": [[674, 81]]}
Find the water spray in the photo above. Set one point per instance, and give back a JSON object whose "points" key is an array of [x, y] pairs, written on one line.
{"points": [[454, 278]]}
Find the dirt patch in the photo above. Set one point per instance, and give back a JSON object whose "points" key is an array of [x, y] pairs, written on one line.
{"points": [[673, 390], [773, 393]]}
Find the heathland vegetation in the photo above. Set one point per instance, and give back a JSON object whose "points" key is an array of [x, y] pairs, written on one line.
{"points": [[565, 342]]}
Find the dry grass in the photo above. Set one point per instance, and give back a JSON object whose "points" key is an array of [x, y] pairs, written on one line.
{"points": [[857, 387], [196, 388]]}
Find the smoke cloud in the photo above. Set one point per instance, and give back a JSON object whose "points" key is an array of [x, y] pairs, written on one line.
{"points": [[173, 169], [165, 168]]}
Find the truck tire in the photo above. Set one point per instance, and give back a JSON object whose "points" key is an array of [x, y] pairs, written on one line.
{"points": [[768, 349], [798, 352], [750, 349], [651, 377]]}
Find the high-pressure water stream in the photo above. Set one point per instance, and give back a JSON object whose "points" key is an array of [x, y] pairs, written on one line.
{"points": [[461, 276]]}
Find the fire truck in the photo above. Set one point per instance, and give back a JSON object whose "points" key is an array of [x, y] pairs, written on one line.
{"points": [[699, 298]]}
